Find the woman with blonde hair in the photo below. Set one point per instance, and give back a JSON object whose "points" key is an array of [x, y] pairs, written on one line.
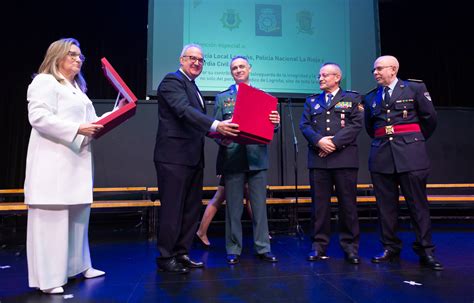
{"points": [[58, 184]]}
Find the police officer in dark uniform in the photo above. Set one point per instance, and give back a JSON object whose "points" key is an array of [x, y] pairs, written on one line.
{"points": [[331, 122], [400, 116]]}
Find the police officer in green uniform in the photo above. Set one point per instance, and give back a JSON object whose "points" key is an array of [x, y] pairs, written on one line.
{"points": [[331, 122], [241, 163], [399, 117]]}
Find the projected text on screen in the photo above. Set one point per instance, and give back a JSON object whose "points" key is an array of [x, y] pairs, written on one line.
{"points": [[285, 41]]}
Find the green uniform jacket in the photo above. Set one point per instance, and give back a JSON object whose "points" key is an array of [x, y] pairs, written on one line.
{"points": [[236, 157]]}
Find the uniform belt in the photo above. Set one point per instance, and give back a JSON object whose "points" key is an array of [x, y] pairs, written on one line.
{"points": [[397, 129]]}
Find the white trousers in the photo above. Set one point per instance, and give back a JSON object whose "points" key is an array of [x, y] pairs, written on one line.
{"points": [[57, 243]]}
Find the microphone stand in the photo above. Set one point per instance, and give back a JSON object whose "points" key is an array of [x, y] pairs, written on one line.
{"points": [[294, 221]]}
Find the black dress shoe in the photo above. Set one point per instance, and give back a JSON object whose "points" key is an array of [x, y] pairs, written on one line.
{"points": [[268, 256], [233, 259], [186, 261], [386, 256], [430, 262], [352, 258], [171, 265], [201, 242], [315, 255]]}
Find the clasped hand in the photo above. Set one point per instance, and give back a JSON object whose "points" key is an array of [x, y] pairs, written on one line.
{"points": [[326, 146]]}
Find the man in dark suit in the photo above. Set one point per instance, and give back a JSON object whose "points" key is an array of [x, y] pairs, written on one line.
{"points": [[331, 122], [241, 163], [400, 116], [179, 159]]}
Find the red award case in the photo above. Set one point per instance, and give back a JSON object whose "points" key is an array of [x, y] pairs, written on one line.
{"points": [[252, 108], [119, 116]]}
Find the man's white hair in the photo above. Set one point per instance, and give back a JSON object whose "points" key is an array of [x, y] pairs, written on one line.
{"points": [[390, 60], [188, 46]]}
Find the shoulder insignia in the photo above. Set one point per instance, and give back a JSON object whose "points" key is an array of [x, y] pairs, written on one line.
{"points": [[415, 80], [312, 98], [352, 91]]}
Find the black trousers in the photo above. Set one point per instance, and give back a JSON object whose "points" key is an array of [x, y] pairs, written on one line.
{"points": [[413, 186], [322, 182], [180, 189]]}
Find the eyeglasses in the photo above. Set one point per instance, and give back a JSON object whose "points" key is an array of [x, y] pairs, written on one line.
{"points": [[195, 59], [380, 68], [75, 55], [325, 75]]}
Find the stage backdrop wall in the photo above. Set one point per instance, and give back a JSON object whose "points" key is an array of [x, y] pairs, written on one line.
{"points": [[124, 157]]}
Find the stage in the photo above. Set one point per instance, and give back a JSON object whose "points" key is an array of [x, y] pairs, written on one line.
{"points": [[128, 257]]}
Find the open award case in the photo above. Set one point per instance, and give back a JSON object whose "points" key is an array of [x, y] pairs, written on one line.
{"points": [[120, 115], [252, 108]]}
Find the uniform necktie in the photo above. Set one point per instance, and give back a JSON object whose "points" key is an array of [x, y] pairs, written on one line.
{"points": [[386, 96], [328, 101]]}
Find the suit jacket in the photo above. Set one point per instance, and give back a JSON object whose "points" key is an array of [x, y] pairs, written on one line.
{"points": [[183, 122], [59, 168], [341, 119], [236, 157], [410, 103]]}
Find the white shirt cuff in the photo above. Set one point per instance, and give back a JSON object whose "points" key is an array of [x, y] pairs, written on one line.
{"points": [[214, 125]]}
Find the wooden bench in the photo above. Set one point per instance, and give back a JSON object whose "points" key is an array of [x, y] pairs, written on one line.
{"points": [[146, 192], [98, 203], [109, 199], [96, 190], [10, 206], [371, 199]]}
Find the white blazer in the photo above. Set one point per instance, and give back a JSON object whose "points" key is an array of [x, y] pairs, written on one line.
{"points": [[59, 161]]}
